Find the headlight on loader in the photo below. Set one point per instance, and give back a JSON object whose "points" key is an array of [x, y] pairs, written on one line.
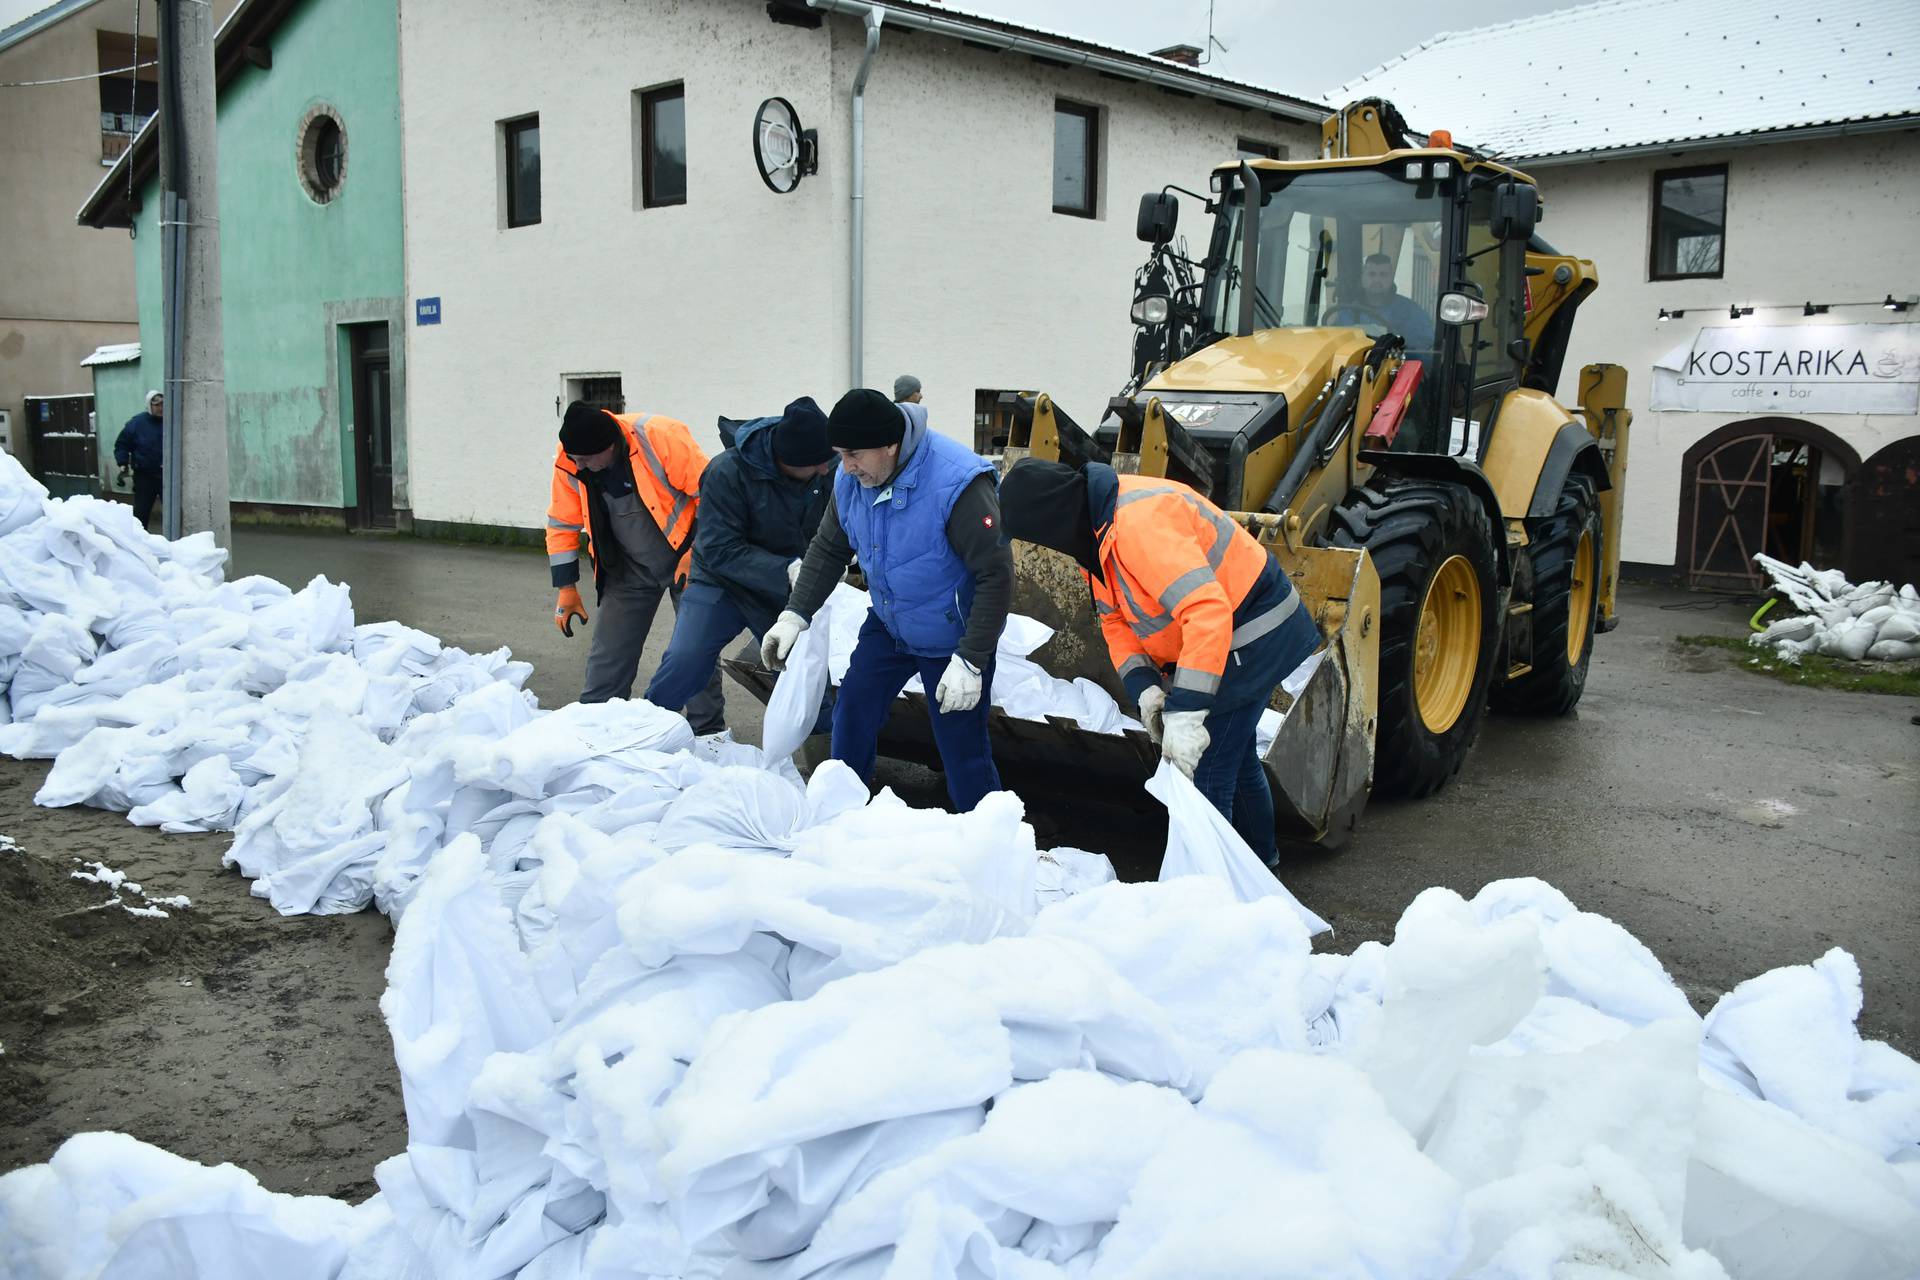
{"points": [[1151, 309]]}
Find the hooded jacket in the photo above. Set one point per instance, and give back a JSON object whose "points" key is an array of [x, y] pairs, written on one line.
{"points": [[917, 583], [753, 522]]}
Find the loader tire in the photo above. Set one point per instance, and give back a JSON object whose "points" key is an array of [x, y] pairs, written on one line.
{"points": [[1432, 545], [1566, 605]]}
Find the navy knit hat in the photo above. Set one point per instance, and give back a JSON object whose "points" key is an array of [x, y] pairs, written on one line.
{"points": [[800, 437], [586, 430], [865, 419]]}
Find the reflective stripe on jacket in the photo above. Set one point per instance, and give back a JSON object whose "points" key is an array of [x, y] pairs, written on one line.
{"points": [[667, 466], [1175, 569]]}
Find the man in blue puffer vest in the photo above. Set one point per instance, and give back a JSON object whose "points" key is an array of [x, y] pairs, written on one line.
{"points": [[923, 513]]}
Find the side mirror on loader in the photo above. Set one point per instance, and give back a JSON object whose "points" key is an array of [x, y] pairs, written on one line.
{"points": [[1159, 214], [1516, 210]]}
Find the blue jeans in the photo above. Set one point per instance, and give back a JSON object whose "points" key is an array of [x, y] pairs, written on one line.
{"points": [[879, 669], [705, 622], [1230, 774]]}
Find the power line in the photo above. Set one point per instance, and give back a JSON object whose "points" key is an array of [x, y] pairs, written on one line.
{"points": [[98, 75]]}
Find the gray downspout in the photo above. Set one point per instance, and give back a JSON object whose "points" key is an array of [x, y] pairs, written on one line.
{"points": [[857, 309]]}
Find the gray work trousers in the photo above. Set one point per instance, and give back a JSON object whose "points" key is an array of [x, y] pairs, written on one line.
{"points": [[620, 633]]}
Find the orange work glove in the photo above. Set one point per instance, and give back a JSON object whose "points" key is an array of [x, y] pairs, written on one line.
{"points": [[568, 607]]}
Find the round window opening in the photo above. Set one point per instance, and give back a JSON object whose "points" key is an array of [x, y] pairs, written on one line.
{"points": [[323, 155]]}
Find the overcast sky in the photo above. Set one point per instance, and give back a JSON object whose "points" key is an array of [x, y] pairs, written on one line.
{"points": [[1294, 46]]}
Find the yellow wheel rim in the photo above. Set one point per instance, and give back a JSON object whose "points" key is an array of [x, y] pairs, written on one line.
{"points": [[1446, 648], [1580, 599]]}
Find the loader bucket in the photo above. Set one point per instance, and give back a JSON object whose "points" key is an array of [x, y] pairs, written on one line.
{"points": [[1321, 762]]}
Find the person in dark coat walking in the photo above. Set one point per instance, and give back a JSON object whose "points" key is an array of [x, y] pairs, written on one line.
{"points": [[140, 446], [759, 504]]}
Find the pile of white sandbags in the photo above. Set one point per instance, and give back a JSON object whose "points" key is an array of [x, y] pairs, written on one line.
{"points": [[661, 1010], [856, 1059], [1874, 621]]}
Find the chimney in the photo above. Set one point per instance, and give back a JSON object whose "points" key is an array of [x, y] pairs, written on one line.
{"points": [[1185, 54]]}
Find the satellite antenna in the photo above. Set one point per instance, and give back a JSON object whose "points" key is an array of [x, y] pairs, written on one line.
{"points": [[783, 151]]}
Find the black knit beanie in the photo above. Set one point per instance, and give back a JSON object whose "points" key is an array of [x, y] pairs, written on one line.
{"points": [[800, 437], [586, 430], [1045, 502], [865, 419]]}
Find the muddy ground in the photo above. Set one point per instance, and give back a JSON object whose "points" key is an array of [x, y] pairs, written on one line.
{"points": [[1731, 822], [220, 1032]]}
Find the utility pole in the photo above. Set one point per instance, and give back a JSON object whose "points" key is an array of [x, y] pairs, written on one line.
{"points": [[195, 477]]}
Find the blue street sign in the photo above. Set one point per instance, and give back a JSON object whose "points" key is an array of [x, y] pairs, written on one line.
{"points": [[426, 311]]}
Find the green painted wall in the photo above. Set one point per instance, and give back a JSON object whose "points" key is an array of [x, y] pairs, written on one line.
{"points": [[118, 394], [292, 268]]}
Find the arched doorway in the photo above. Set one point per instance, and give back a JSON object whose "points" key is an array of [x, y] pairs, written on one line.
{"points": [[1776, 485], [1885, 503]]}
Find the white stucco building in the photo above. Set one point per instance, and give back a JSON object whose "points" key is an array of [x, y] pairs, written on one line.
{"points": [[654, 253], [1712, 156]]}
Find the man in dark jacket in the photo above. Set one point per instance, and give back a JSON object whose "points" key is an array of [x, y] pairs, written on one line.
{"points": [[139, 446], [759, 504]]}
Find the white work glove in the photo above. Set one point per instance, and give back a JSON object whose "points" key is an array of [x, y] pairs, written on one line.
{"points": [[778, 642], [793, 574], [959, 688], [1184, 739], [1153, 701]]}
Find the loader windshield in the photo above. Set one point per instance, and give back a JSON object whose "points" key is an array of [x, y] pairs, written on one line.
{"points": [[1338, 247]]}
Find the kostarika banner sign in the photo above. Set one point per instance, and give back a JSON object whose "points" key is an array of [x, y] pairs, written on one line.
{"points": [[1827, 368]]}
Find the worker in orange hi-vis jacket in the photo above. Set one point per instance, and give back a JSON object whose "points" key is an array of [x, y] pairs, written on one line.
{"points": [[626, 492], [1201, 623]]}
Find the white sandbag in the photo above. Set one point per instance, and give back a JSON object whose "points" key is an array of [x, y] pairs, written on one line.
{"points": [[1228, 975], [794, 705], [533, 755], [1789, 1037], [1448, 984], [1595, 1216], [458, 989], [840, 921], [1893, 650], [1849, 639], [1063, 872], [23, 499], [107, 1205], [1051, 1168], [1202, 843], [745, 809], [1288, 1169], [990, 849], [1636, 1096], [1773, 1198]]}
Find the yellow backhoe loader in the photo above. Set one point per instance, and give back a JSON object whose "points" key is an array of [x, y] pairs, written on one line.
{"points": [[1360, 367]]}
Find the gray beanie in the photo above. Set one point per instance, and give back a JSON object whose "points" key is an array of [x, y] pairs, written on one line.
{"points": [[905, 385]]}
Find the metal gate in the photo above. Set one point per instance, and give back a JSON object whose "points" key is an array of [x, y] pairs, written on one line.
{"points": [[64, 448], [1730, 497]]}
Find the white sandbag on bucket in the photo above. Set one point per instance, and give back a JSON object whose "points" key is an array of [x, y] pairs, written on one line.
{"points": [[794, 704], [1202, 843]]}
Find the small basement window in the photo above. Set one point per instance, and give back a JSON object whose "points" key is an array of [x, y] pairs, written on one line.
{"points": [[601, 390], [1254, 149]]}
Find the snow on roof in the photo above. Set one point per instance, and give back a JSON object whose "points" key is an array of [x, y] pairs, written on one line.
{"points": [[116, 353], [1623, 74]]}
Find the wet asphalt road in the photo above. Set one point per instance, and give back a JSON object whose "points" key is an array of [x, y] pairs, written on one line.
{"points": [[1731, 822]]}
